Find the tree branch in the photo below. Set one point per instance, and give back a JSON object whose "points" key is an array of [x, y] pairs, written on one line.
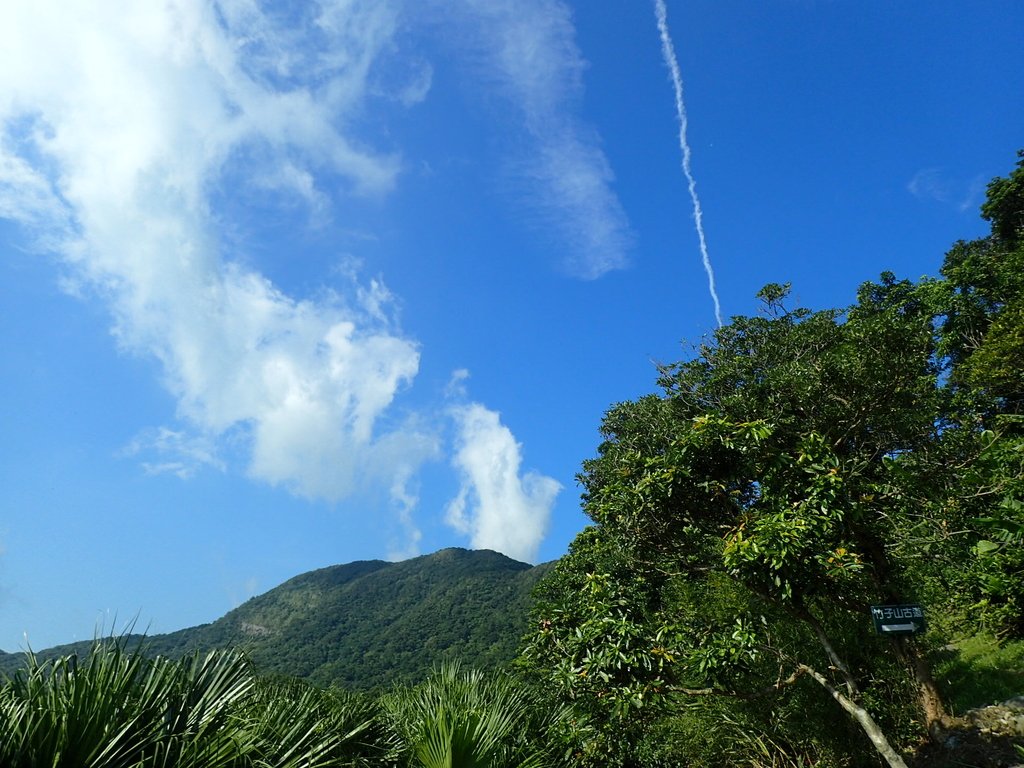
{"points": [[864, 720], [778, 685]]}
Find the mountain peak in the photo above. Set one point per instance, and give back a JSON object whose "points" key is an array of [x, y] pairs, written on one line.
{"points": [[371, 623]]}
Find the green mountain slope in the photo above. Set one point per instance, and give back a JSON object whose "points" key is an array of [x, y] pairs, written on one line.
{"points": [[371, 623]]}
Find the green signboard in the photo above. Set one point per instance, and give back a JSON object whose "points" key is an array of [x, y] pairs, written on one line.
{"points": [[906, 619]]}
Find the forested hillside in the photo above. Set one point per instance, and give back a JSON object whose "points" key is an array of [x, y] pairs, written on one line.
{"points": [[370, 623]]}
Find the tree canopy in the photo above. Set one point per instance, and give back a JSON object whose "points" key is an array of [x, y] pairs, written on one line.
{"points": [[799, 467]]}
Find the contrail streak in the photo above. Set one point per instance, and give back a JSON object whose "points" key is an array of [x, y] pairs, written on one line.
{"points": [[669, 53]]}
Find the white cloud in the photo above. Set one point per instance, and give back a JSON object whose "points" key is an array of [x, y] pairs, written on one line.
{"points": [[176, 452], [122, 122], [418, 86], [930, 183], [528, 49], [455, 389], [25, 194], [937, 185], [118, 120], [497, 506], [405, 499]]}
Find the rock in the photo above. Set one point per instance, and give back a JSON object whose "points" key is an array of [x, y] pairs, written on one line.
{"points": [[985, 737]]}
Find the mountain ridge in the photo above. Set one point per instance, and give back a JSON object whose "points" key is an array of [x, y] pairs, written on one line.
{"points": [[368, 623]]}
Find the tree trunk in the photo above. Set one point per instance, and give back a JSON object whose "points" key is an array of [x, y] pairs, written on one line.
{"points": [[863, 718], [861, 715], [935, 716], [930, 700], [836, 660]]}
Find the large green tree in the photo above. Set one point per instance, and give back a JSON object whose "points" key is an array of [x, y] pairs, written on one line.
{"points": [[767, 474], [981, 303], [799, 467], [983, 332]]}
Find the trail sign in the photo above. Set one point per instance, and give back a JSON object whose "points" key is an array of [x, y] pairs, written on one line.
{"points": [[906, 619]]}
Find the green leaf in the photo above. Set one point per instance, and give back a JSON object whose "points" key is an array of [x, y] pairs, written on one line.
{"points": [[986, 547]]}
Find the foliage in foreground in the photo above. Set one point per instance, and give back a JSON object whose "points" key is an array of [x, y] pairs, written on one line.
{"points": [[116, 708], [470, 719]]}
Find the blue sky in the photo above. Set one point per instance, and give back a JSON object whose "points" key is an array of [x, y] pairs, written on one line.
{"points": [[281, 289]]}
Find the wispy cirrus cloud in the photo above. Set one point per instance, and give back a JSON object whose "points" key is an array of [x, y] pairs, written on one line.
{"points": [[405, 499], [527, 49], [937, 185], [169, 451]]}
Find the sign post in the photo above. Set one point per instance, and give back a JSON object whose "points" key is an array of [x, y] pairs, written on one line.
{"points": [[905, 619]]}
